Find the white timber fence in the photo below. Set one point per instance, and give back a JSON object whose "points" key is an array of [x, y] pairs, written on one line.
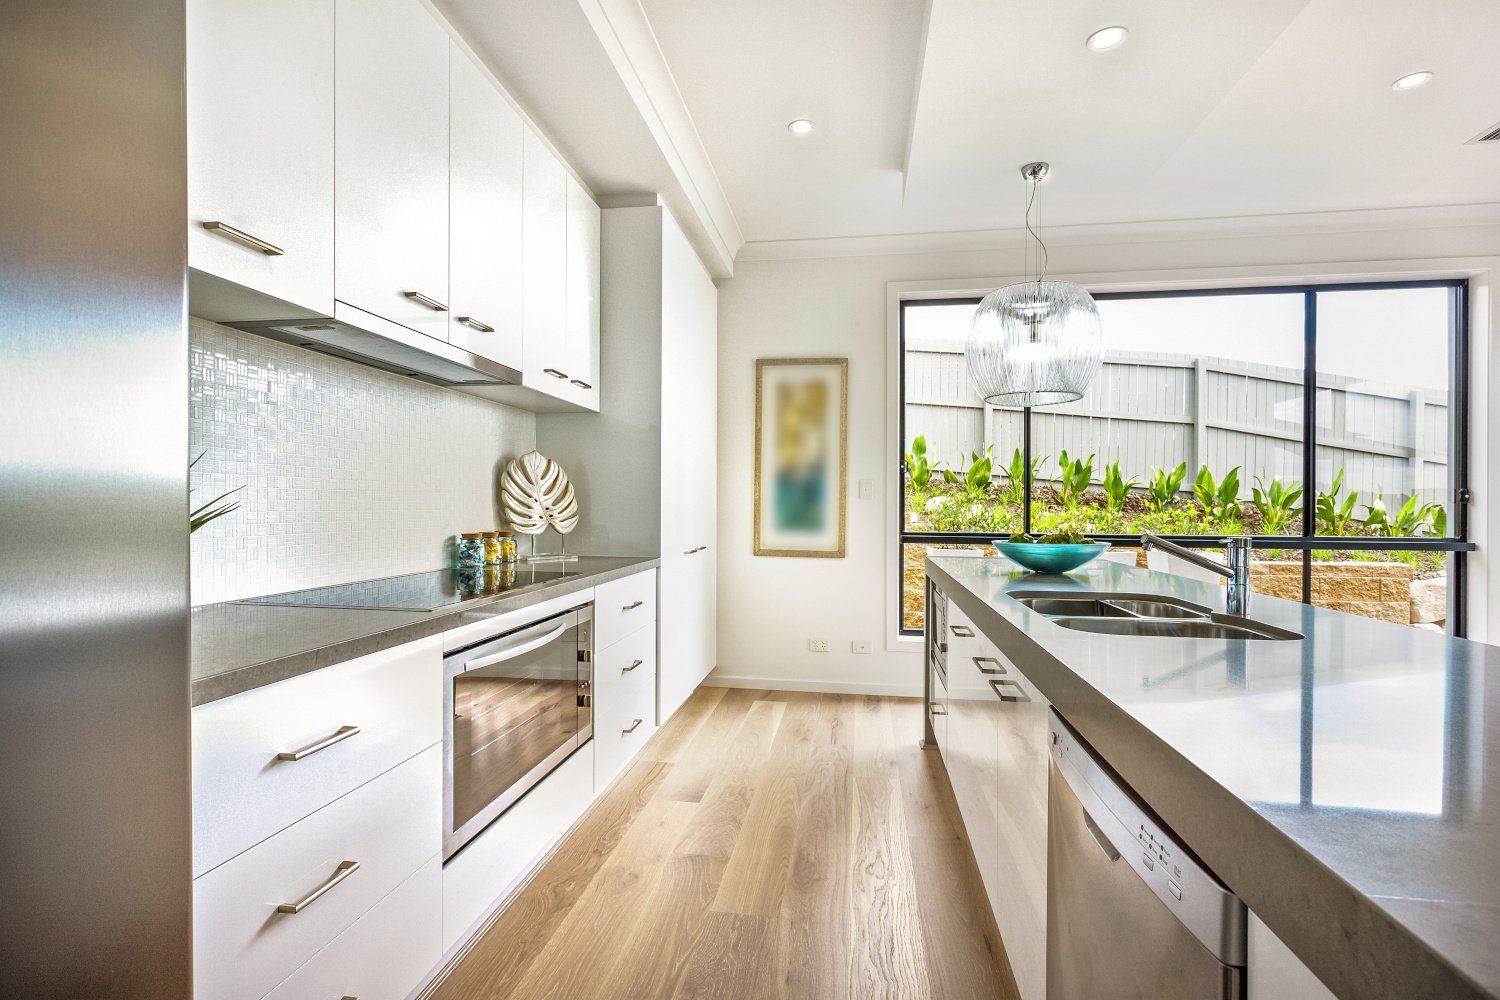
{"points": [[1154, 411]]}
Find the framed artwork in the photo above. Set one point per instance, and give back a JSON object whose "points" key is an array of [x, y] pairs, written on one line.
{"points": [[801, 456]]}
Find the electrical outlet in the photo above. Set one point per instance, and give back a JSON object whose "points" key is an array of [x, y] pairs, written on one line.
{"points": [[859, 645], [817, 645]]}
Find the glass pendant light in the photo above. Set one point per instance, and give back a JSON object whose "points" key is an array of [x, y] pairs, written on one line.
{"points": [[1036, 343]]}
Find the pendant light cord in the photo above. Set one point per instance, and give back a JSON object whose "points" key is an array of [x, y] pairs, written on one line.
{"points": [[1042, 259]]}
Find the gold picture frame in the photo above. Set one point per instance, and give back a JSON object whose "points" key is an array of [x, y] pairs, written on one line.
{"points": [[795, 514]]}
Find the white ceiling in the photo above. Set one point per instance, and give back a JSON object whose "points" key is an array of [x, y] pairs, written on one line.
{"points": [[1212, 108]]}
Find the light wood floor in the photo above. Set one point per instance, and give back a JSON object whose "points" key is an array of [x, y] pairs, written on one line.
{"points": [[765, 844]]}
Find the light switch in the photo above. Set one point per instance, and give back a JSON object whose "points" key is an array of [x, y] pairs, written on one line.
{"points": [[866, 489]]}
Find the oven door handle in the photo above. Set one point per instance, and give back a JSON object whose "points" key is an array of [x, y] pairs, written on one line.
{"points": [[515, 651]]}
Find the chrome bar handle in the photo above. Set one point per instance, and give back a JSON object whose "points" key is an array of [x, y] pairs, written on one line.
{"points": [[632, 605], [426, 300], [633, 725], [962, 631], [470, 321], [240, 236], [342, 734], [980, 661], [628, 669], [1018, 695], [581, 383], [554, 373], [343, 871]]}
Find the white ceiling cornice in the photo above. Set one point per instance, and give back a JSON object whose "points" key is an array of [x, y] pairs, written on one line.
{"points": [[631, 45], [1243, 227]]}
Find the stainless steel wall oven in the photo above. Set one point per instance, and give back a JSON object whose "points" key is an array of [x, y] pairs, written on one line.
{"points": [[516, 705]]}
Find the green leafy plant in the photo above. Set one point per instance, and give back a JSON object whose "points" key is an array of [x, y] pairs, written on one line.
{"points": [[1335, 514], [1217, 497], [1074, 476], [1277, 504], [1439, 521], [1018, 478], [1164, 486], [1116, 486], [917, 466], [977, 478], [215, 508], [1407, 521]]}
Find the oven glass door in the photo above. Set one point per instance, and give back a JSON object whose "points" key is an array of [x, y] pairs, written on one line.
{"points": [[519, 704]]}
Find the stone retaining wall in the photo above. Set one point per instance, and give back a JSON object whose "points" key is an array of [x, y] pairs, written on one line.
{"points": [[1374, 590]]}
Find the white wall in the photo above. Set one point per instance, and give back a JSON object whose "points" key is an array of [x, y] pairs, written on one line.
{"points": [[842, 306]]}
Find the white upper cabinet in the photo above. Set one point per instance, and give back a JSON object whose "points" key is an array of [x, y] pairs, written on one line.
{"points": [[260, 146], [485, 218], [546, 265], [391, 163], [582, 354]]}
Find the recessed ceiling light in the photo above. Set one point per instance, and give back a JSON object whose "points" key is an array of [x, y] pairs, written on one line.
{"points": [[1106, 38], [801, 126], [1412, 80]]}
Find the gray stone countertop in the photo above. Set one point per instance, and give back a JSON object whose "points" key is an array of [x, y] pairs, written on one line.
{"points": [[240, 647], [1345, 785]]}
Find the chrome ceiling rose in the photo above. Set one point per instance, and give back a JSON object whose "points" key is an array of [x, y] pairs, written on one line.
{"points": [[1037, 342]]}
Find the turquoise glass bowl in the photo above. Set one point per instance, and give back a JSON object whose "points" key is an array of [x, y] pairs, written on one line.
{"points": [[1047, 557]]}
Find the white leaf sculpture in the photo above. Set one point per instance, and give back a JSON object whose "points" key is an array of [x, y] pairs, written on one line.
{"points": [[535, 493]]}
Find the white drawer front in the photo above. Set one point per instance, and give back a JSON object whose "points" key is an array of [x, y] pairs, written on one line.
{"points": [[242, 945], [624, 606], [623, 667], [386, 953], [622, 698], [242, 792], [477, 877]]}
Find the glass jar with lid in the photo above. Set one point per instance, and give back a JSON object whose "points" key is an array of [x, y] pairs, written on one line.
{"points": [[470, 550], [492, 548], [507, 541]]}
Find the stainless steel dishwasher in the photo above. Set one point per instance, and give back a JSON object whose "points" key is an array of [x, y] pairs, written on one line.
{"points": [[1130, 914]]}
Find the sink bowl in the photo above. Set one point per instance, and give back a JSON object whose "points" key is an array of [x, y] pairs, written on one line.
{"points": [[1095, 605], [1217, 627]]}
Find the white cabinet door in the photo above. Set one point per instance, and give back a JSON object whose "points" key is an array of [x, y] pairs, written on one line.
{"points": [[582, 312], [391, 163], [484, 217], [544, 223], [260, 146]]}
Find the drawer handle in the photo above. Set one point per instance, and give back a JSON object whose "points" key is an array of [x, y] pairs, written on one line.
{"points": [[980, 661], [962, 631], [580, 383], [633, 725], [1017, 695], [470, 321], [937, 709], [632, 606], [555, 373], [343, 871], [240, 236], [632, 666], [426, 300], [344, 732]]}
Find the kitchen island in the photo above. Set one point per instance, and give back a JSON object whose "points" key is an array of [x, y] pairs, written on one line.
{"points": [[1345, 785]]}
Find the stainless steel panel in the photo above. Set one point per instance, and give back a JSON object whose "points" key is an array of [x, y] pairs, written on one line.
{"points": [[96, 879]]}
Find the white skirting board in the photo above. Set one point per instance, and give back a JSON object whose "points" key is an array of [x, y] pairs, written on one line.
{"points": [[903, 690]]}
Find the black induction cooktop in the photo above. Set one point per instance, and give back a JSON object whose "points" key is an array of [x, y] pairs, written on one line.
{"points": [[421, 591]]}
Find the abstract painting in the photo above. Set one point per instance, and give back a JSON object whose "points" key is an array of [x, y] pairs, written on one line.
{"points": [[801, 413]]}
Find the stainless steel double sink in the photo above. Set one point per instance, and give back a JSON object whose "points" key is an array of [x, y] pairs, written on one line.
{"points": [[1144, 614]]}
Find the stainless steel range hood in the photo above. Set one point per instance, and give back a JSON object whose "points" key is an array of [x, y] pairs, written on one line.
{"points": [[395, 349]]}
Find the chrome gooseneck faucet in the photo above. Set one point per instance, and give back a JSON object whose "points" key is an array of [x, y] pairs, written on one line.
{"points": [[1236, 566]]}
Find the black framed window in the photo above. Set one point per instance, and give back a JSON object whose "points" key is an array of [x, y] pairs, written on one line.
{"points": [[1329, 422]]}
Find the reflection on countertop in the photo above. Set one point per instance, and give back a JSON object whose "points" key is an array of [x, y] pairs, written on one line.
{"points": [[1345, 785], [239, 646]]}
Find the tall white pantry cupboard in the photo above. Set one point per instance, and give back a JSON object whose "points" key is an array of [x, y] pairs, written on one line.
{"points": [[645, 466]]}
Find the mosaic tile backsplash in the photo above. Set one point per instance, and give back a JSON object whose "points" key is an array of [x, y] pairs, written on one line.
{"points": [[350, 473]]}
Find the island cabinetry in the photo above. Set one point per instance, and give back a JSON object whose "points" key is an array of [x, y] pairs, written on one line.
{"points": [[996, 756]]}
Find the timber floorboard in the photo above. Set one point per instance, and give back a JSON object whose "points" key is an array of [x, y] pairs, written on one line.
{"points": [[763, 845]]}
